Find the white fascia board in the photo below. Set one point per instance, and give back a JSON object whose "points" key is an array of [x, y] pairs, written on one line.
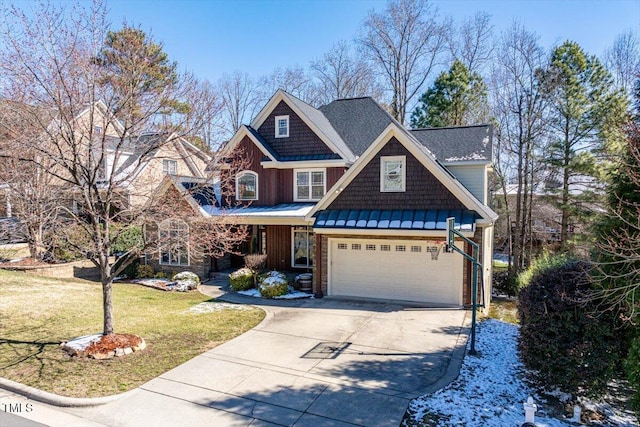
{"points": [[413, 146], [281, 95], [373, 232], [475, 163], [241, 133], [306, 164]]}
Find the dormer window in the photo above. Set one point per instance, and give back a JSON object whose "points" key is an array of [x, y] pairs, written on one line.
{"points": [[282, 126], [169, 167], [247, 185]]}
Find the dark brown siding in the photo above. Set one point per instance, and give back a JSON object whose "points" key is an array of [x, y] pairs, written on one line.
{"points": [[423, 190], [279, 247], [275, 186], [301, 141]]}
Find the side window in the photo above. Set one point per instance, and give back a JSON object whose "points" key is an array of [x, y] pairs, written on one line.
{"points": [[247, 185], [174, 247], [282, 126], [169, 167], [309, 185], [392, 174]]}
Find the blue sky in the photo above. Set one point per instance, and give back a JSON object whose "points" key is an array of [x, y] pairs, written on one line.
{"points": [[212, 37]]}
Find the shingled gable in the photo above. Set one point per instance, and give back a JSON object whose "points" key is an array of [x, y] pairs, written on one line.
{"points": [[311, 117], [170, 188], [392, 134]]}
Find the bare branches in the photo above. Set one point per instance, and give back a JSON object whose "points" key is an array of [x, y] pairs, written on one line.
{"points": [[405, 43]]}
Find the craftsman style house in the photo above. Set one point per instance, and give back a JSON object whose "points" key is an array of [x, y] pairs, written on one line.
{"points": [[349, 194]]}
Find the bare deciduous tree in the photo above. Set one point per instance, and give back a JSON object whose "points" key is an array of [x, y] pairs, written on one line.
{"points": [[519, 111], [242, 99], [99, 106], [472, 43], [293, 80], [623, 59], [341, 74], [404, 43]]}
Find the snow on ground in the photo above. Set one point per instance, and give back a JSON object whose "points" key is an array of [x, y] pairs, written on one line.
{"points": [[212, 307], [292, 294], [83, 342], [489, 390]]}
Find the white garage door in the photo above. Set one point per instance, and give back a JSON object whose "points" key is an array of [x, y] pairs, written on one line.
{"points": [[394, 269]]}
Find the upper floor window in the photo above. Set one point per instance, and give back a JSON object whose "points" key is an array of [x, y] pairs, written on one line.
{"points": [[247, 185], [170, 167], [310, 185], [282, 126], [392, 174], [173, 244]]}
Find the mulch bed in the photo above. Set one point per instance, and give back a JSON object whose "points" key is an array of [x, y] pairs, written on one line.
{"points": [[109, 346]]}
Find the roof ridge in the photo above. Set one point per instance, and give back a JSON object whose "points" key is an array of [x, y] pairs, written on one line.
{"points": [[451, 127]]}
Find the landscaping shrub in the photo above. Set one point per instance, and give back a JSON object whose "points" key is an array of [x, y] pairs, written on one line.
{"points": [[144, 271], [186, 280], [241, 280], [255, 262], [561, 337], [503, 283], [273, 284]]}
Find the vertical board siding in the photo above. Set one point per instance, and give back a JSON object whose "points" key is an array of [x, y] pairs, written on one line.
{"points": [[278, 247]]}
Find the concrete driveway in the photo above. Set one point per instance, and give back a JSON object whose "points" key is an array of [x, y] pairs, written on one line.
{"points": [[309, 363]]}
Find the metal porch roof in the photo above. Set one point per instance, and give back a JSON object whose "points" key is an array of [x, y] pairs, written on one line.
{"points": [[400, 219]]}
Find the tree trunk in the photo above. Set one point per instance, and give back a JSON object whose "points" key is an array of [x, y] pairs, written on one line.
{"points": [[107, 304]]}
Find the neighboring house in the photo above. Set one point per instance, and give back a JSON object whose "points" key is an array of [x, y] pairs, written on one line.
{"points": [[346, 192]]}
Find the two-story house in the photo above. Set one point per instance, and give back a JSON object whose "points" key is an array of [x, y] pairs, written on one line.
{"points": [[346, 192]]}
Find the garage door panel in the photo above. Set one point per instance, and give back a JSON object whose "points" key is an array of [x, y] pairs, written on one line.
{"points": [[394, 269]]}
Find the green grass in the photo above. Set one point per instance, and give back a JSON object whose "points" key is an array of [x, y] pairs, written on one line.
{"points": [[37, 313], [504, 309]]}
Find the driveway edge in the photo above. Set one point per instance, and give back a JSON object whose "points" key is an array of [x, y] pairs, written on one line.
{"points": [[57, 400]]}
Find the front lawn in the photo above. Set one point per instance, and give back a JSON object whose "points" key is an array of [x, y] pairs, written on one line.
{"points": [[37, 313]]}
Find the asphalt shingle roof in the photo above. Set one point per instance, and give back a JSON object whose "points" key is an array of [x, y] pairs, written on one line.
{"points": [[458, 144], [359, 121]]}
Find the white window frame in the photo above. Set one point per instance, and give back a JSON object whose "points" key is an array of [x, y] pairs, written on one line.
{"points": [[277, 129], [309, 173], [166, 166], [240, 175], [310, 242], [178, 227], [403, 174]]}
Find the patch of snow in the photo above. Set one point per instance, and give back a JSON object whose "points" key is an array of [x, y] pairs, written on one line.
{"points": [[212, 307], [83, 342], [292, 294], [489, 390]]}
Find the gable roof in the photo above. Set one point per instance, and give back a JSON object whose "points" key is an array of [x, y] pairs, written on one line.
{"points": [[458, 144], [422, 154], [312, 117], [358, 121]]}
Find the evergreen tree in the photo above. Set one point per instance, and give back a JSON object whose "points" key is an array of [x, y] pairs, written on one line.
{"points": [[586, 114], [456, 98]]}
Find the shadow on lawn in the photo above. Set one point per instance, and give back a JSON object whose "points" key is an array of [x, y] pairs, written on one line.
{"points": [[25, 350]]}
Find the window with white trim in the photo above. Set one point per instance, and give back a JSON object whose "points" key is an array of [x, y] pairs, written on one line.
{"points": [[174, 247], [309, 185], [169, 167], [392, 174], [303, 247], [282, 126], [247, 185]]}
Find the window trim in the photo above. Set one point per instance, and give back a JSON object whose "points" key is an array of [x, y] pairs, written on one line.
{"points": [[166, 169], [310, 171], [277, 128], [310, 239], [168, 223], [403, 175], [240, 175]]}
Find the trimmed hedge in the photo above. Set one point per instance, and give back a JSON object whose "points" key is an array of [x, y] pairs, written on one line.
{"points": [[241, 280], [561, 338]]}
